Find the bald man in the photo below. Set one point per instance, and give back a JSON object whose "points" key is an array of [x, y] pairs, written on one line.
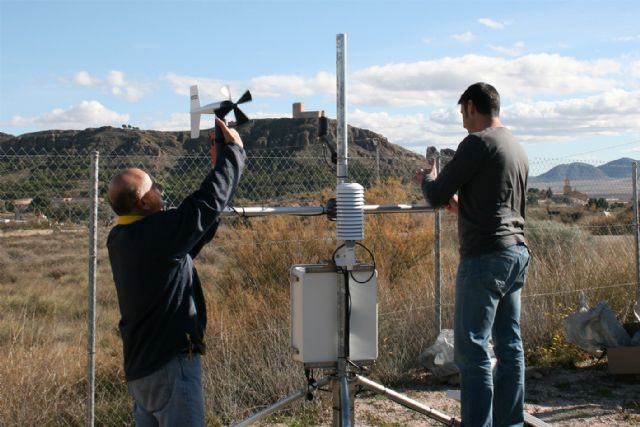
{"points": [[162, 307]]}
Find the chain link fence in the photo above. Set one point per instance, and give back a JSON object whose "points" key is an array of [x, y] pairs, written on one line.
{"points": [[581, 233]]}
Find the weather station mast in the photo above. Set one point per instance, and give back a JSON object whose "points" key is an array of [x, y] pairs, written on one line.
{"points": [[339, 344]]}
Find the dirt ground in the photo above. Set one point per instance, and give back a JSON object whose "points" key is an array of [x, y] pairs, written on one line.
{"points": [[563, 397], [558, 396]]}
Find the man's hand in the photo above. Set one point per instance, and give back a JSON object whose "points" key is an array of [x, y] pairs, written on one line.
{"points": [[421, 173], [433, 171], [231, 136], [453, 204]]}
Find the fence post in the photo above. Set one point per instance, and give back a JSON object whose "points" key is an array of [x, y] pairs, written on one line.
{"points": [[636, 230], [437, 254], [377, 161], [91, 318]]}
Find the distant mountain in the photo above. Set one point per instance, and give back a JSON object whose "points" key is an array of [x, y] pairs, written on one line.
{"points": [[620, 168], [576, 171]]}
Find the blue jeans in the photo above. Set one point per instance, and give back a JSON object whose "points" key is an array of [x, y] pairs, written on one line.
{"points": [[488, 304], [170, 396]]}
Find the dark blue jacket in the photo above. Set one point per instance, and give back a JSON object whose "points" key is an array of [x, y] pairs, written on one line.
{"points": [[161, 302]]}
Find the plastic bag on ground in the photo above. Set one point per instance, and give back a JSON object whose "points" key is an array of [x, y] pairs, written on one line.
{"points": [[438, 358], [595, 329]]}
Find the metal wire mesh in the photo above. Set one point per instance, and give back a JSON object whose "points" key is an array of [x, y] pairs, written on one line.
{"points": [[580, 232]]}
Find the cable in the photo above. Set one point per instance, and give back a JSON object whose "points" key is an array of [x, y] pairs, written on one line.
{"points": [[601, 149], [347, 326], [373, 259], [324, 155], [333, 256]]}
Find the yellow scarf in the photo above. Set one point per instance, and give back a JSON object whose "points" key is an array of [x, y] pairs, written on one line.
{"points": [[129, 219]]}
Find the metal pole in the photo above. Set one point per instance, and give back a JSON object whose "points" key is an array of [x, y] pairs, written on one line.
{"points": [[408, 402], [378, 162], [437, 280], [247, 212], [341, 87], [636, 230], [93, 258], [281, 403], [342, 414]]}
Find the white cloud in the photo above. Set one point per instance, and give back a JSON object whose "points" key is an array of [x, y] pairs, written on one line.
{"points": [[81, 116], [464, 37], [634, 70], [270, 115], [182, 121], [83, 78], [487, 22], [440, 82], [261, 86], [613, 112], [116, 83], [175, 122], [277, 85], [208, 89], [514, 50], [414, 131], [546, 97]]}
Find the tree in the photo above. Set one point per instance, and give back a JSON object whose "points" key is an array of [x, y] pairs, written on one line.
{"points": [[602, 203], [533, 194]]}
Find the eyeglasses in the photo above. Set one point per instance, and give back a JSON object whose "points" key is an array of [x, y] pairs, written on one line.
{"points": [[158, 187]]}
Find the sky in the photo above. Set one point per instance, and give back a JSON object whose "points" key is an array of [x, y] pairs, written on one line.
{"points": [[568, 71]]}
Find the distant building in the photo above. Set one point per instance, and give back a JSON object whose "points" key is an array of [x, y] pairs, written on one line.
{"points": [[20, 207], [570, 196], [299, 113]]}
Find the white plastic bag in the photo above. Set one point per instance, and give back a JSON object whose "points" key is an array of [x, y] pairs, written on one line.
{"points": [[596, 329], [438, 358]]}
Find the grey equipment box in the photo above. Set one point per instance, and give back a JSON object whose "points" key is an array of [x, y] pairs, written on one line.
{"points": [[314, 314]]}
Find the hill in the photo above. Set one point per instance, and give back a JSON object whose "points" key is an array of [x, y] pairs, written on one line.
{"points": [[620, 168], [284, 158], [575, 171], [5, 136], [285, 135]]}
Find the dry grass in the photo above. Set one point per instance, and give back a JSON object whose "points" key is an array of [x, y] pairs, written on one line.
{"points": [[43, 300]]}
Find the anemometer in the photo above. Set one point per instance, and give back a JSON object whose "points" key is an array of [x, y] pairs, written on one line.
{"points": [[220, 109]]}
